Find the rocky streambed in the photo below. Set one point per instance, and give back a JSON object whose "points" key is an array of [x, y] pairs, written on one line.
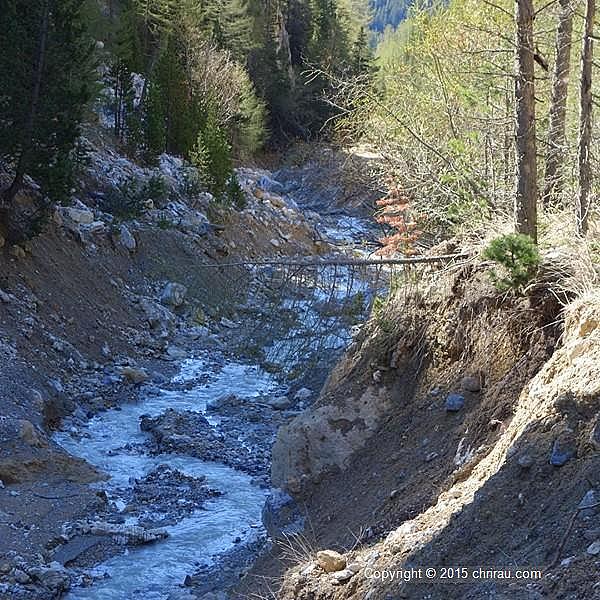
{"points": [[168, 458], [187, 502]]}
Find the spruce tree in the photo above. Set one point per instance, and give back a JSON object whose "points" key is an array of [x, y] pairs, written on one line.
{"points": [[46, 80], [361, 62], [234, 29], [154, 124]]}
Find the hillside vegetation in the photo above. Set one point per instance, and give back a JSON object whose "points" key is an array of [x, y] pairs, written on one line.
{"points": [[205, 205]]}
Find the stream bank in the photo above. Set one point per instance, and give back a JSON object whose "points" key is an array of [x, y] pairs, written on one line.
{"points": [[162, 397]]}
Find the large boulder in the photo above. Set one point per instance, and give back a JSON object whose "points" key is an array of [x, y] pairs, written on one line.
{"points": [[281, 515], [135, 375], [157, 316], [126, 238], [325, 437], [80, 216]]}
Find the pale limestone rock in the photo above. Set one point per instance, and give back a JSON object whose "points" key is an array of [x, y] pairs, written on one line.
{"points": [[331, 561]]}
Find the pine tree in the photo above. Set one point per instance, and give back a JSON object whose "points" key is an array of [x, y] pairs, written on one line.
{"points": [[176, 110], [46, 79], [234, 31], [361, 62], [155, 132], [213, 154]]}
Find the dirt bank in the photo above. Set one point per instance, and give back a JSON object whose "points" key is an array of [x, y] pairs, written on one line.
{"points": [[457, 431]]}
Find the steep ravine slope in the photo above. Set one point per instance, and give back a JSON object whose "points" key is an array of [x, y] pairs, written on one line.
{"points": [[97, 314], [393, 471]]}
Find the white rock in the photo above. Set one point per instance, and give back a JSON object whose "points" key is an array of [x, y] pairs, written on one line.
{"points": [[308, 570], [173, 294], [229, 324], [594, 548], [303, 394], [79, 215], [342, 576], [126, 238]]}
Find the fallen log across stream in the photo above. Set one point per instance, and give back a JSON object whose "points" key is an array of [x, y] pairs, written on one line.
{"points": [[343, 262]]}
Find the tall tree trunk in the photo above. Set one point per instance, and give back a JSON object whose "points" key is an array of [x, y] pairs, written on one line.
{"points": [[526, 171], [553, 184], [27, 135], [585, 120]]}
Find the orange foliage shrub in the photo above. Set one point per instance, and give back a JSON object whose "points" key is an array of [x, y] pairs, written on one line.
{"points": [[395, 214]]}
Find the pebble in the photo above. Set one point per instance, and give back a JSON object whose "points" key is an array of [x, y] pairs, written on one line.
{"points": [[279, 402], [454, 402], [525, 461], [21, 576], [308, 570], [342, 576], [562, 452], [587, 507], [303, 394], [331, 561], [228, 323], [594, 548], [17, 252], [471, 384]]}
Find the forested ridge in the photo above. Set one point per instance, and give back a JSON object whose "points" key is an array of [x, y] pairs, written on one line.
{"points": [[217, 82], [208, 81]]}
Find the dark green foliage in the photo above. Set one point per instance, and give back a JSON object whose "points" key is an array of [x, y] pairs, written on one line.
{"points": [[127, 200], [124, 201], [155, 130], [279, 43], [192, 182], [519, 257], [212, 156], [155, 188], [235, 194], [46, 81], [234, 29], [362, 58]]}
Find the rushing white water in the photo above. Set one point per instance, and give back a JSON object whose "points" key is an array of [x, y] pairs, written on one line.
{"points": [[112, 441], [153, 571]]}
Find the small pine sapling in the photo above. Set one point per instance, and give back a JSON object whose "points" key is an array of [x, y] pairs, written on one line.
{"points": [[519, 258]]}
